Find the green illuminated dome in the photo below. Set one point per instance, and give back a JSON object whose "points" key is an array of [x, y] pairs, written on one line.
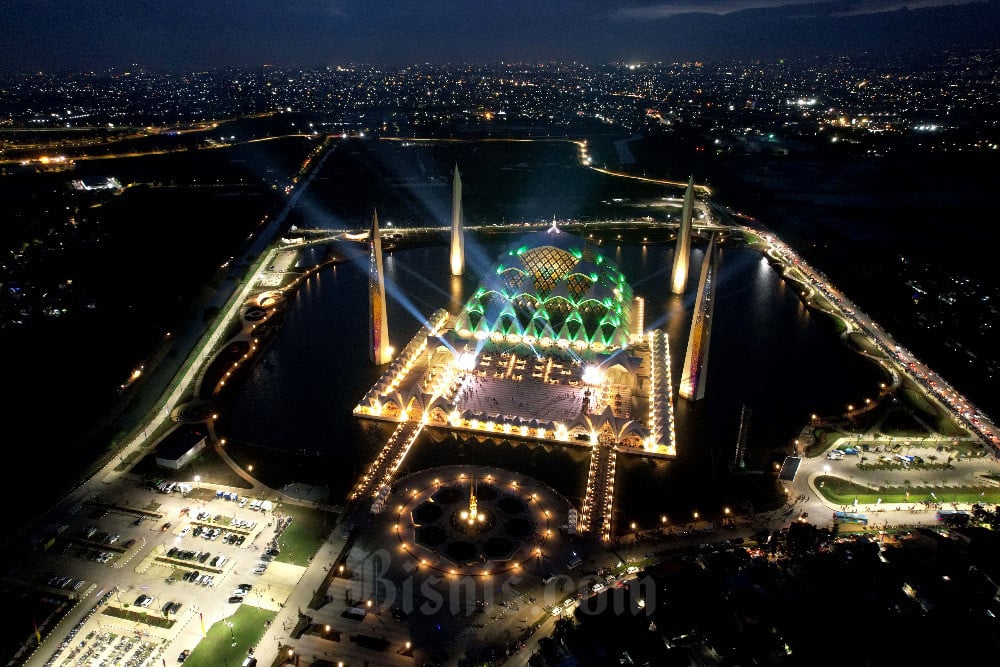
{"points": [[551, 287]]}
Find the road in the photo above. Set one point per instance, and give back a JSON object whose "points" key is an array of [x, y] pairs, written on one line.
{"points": [[962, 411]]}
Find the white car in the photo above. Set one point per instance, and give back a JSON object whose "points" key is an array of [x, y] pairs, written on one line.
{"points": [[184, 531], [598, 587], [556, 611], [244, 501], [631, 569]]}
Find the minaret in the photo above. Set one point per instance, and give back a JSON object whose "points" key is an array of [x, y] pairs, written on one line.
{"points": [[741, 439], [692, 385], [473, 505], [457, 235], [378, 342], [472, 515], [682, 255]]}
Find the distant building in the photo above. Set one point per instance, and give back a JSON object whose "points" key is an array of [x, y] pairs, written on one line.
{"points": [[93, 183], [180, 447]]}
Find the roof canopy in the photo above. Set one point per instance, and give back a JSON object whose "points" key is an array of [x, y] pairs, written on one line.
{"points": [[551, 285]]}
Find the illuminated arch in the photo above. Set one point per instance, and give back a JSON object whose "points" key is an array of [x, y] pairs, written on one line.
{"points": [[552, 284]]}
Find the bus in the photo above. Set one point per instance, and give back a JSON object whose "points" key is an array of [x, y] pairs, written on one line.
{"points": [[849, 517], [954, 517]]}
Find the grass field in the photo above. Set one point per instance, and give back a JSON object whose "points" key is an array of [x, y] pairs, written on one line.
{"points": [[303, 537], [226, 644], [843, 492]]}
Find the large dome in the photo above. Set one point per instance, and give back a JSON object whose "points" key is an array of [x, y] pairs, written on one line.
{"points": [[552, 288]]}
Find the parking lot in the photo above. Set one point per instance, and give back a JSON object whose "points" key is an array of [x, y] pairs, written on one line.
{"points": [[144, 580]]}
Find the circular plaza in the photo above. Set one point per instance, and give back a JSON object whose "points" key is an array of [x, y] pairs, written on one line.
{"points": [[475, 520]]}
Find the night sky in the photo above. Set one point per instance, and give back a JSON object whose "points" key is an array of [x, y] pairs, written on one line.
{"points": [[74, 35]]}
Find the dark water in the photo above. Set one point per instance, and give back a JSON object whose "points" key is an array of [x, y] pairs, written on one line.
{"points": [[767, 352]]}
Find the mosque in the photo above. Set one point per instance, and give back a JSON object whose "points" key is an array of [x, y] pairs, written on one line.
{"points": [[549, 347]]}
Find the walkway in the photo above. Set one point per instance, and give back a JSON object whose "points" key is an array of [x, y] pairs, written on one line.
{"points": [[598, 504], [385, 465]]}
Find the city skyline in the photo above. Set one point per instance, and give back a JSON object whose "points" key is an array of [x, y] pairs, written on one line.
{"points": [[90, 35]]}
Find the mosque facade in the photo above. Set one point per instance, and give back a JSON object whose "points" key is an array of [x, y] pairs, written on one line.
{"points": [[549, 347]]}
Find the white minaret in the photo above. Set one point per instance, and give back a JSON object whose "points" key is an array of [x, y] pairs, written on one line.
{"points": [[379, 349], [682, 255], [457, 235]]}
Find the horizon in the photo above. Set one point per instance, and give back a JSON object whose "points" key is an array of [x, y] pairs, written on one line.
{"points": [[115, 35]]}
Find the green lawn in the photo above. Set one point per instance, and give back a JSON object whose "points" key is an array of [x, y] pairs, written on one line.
{"points": [[302, 539], [843, 492], [913, 397], [216, 648], [863, 343]]}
